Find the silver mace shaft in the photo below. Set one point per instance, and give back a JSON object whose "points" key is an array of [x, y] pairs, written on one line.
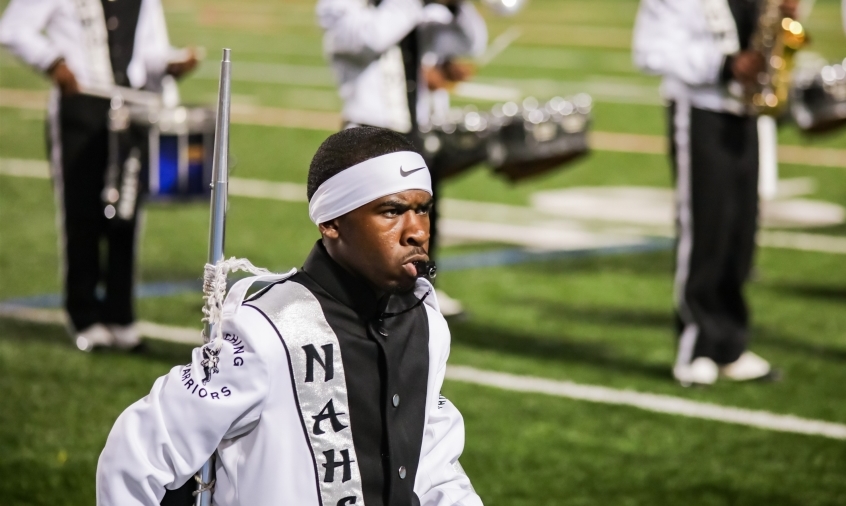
{"points": [[217, 231]]}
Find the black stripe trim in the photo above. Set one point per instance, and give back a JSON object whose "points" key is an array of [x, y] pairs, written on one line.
{"points": [[263, 291]]}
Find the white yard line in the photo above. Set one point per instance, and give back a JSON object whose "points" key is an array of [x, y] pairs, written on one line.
{"points": [[555, 236], [803, 242], [182, 335], [481, 212], [534, 57], [591, 393], [172, 333], [17, 167], [601, 87], [248, 114], [274, 73], [256, 188], [650, 402]]}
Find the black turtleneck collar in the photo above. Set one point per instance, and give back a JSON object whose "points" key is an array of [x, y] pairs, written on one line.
{"points": [[353, 291], [344, 287]]}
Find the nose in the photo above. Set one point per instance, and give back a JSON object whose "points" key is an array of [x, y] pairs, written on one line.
{"points": [[416, 230]]}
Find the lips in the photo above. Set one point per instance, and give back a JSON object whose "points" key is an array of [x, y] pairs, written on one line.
{"points": [[409, 266], [410, 269]]}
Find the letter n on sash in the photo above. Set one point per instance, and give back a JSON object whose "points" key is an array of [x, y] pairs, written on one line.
{"points": [[326, 362]]}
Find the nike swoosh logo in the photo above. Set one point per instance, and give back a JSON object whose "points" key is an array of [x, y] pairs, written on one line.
{"points": [[407, 173]]}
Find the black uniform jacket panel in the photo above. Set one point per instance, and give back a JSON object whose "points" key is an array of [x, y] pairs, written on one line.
{"points": [[121, 23], [745, 14], [385, 352]]}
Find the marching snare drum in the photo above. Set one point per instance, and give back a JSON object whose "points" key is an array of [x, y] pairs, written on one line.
{"points": [[456, 143], [181, 149], [164, 153], [533, 139], [818, 98]]}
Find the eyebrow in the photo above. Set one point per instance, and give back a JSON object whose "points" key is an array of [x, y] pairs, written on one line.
{"points": [[404, 204]]}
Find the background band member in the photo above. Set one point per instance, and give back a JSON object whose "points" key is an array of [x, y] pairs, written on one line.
{"points": [[701, 47], [326, 386], [91, 45], [376, 51]]}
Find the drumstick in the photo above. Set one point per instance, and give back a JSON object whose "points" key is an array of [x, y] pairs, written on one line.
{"points": [[500, 44], [128, 95], [181, 55]]}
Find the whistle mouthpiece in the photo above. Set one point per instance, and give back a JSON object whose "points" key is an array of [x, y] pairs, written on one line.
{"points": [[426, 269]]}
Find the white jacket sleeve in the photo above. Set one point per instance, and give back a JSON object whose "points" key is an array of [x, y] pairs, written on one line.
{"points": [[152, 47], [353, 27], [21, 32], [440, 479], [671, 38], [473, 26], [465, 35], [163, 439]]}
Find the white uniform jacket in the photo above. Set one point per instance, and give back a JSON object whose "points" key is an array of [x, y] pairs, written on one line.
{"points": [[686, 42], [278, 413], [40, 32], [362, 43]]}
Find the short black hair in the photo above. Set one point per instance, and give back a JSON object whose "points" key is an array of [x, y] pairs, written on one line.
{"points": [[350, 147]]}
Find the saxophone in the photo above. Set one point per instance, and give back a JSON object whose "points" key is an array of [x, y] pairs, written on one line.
{"points": [[777, 38]]}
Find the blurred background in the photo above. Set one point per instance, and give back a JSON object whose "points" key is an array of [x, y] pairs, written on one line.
{"points": [[567, 276]]}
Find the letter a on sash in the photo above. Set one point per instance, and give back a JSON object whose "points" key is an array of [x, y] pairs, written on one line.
{"points": [[328, 411]]}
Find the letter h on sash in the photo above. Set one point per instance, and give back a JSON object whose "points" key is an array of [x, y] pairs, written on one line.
{"points": [[330, 465]]}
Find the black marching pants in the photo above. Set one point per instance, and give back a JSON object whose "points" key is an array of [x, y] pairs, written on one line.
{"points": [[96, 250], [715, 161]]}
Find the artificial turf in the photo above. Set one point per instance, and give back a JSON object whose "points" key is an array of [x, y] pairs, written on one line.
{"points": [[600, 320]]}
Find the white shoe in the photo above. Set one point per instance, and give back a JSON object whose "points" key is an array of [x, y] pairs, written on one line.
{"points": [[702, 371], [126, 336], [748, 367], [95, 336], [449, 306]]}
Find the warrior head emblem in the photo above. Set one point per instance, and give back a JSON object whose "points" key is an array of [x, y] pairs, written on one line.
{"points": [[210, 359]]}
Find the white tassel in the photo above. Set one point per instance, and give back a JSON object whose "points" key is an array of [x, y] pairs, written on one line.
{"points": [[214, 292]]}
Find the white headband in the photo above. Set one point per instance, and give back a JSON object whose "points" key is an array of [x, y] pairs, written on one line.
{"points": [[368, 181]]}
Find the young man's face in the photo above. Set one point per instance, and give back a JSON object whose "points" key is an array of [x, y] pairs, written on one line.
{"points": [[380, 240]]}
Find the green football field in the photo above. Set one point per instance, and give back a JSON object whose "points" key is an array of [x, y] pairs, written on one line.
{"points": [[593, 319]]}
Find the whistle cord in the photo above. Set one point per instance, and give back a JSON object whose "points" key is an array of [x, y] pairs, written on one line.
{"points": [[384, 316]]}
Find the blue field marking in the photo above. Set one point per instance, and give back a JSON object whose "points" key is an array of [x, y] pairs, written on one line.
{"points": [[143, 291], [510, 256]]}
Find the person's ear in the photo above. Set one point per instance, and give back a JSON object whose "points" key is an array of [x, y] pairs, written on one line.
{"points": [[329, 229]]}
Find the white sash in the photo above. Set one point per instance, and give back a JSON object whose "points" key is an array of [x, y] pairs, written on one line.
{"points": [[317, 372]]}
